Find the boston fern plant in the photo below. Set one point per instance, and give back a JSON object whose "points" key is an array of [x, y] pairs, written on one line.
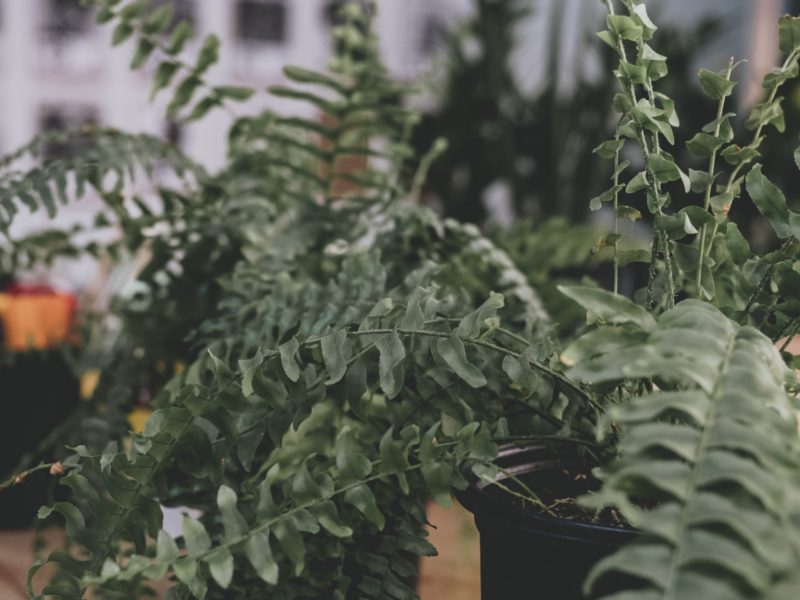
{"points": [[360, 356]]}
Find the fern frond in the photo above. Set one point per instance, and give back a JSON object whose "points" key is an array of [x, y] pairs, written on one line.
{"points": [[361, 110], [158, 35], [708, 465], [322, 348], [388, 565], [105, 153]]}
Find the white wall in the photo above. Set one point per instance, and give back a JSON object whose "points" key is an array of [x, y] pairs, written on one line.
{"points": [[569, 26], [88, 72], [92, 73]]}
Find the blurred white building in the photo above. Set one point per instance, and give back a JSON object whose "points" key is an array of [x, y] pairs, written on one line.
{"points": [[58, 68]]}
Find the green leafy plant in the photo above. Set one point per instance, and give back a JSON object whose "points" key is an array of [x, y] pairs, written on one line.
{"points": [[710, 426], [344, 370], [538, 143]]}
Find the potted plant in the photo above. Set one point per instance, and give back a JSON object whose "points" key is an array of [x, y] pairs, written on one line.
{"points": [[682, 384], [349, 373]]}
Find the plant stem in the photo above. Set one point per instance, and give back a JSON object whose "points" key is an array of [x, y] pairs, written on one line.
{"points": [[712, 162], [762, 283], [553, 420], [158, 43], [651, 178], [439, 147], [141, 483], [616, 214], [18, 478], [547, 438], [668, 262], [651, 274], [423, 401], [530, 497], [507, 332], [483, 343], [755, 143], [265, 526]]}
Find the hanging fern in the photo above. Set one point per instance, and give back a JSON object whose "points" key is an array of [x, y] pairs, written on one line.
{"points": [[303, 488]]}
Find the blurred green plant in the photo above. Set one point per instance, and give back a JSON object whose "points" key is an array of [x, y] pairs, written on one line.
{"points": [[540, 146]]}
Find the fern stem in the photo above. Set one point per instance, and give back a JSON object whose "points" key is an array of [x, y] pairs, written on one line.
{"points": [[265, 526], [507, 332], [311, 503], [489, 345], [677, 559], [712, 162], [529, 496], [651, 275], [159, 45], [652, 181], [616, 213], [99, 559], [668, 270], [423, 401], [762, 284], [546, 438], [755, 143], [438, 148], [552, 419]]}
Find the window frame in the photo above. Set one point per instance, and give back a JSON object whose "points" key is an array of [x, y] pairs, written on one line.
{"points": [[268, 38]]}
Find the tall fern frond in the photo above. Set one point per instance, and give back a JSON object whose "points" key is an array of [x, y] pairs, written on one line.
{"points": [[708, 464], [359, 134]]}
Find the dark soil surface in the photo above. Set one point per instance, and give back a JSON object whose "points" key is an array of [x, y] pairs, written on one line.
{"points": [[558, 490]]}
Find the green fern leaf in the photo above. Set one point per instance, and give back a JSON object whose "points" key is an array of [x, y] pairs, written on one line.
{"points": [[708, 465]]}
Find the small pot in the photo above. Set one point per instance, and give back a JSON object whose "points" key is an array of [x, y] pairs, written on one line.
{"points": [[526, 554]]}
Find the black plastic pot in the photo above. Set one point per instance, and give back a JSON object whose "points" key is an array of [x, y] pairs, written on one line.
{"points": [[38, 391], [528, 555]]}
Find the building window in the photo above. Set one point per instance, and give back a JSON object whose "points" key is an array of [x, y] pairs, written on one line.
{"points": [[66, 19], [173, 131], [63, 118], [433, 36], [333, 13], [261, 21]]}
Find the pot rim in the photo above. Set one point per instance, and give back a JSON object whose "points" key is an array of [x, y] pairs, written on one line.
{"points": [[485, 506]]}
